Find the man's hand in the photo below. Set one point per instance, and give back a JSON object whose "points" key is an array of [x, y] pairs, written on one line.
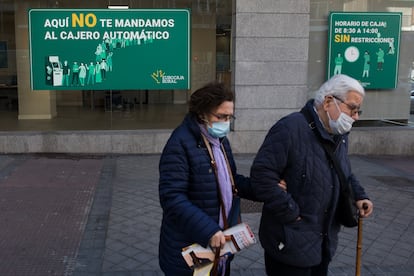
{"points": [[365, 207]]}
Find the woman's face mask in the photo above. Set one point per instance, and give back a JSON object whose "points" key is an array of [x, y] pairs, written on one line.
{"points": [[341, 125], [218, 120], [219, 129]]}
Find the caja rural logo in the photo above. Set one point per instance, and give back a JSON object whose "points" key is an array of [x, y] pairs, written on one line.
{"points": [[161, 77]]}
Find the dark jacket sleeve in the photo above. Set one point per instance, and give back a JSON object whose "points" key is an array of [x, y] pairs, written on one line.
{"points": [[267, 170]]}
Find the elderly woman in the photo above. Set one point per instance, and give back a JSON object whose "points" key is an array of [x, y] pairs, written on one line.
{"points": [[198, 180]]}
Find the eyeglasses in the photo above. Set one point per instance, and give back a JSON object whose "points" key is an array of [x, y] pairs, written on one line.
{"points": [[223, 117], [354, 109]]}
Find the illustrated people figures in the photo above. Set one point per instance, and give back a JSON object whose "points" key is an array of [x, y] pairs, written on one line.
{"points": [[195, 201], [104, 68], [365, 72], [98, 52], [98, 74], [380, 59], [91, 74], [109, 61], [339, 60], [104, 50], [293, 176], [66, 73], [108, 45], [75, 73], [82, 74]]}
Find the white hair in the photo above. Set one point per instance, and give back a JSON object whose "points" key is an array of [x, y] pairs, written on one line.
{"points": [[339, 85]]}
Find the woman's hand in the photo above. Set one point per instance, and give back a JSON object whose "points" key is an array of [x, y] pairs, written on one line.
{"points": [[282, 184], [217, 240]]}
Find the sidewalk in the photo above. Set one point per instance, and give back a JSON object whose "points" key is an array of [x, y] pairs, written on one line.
{"points": [[66, 215]]}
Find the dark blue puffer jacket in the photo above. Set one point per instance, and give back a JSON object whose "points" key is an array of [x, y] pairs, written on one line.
{"points": [[188, 195], [291, 151]]}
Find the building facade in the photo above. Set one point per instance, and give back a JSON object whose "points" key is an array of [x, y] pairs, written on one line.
{"points": [[272, 53]]}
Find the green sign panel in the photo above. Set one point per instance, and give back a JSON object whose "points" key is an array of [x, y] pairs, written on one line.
{"points": [[104, 49], [365, 46]]}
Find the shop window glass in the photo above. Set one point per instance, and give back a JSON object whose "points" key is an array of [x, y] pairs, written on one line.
{"points": [[110, 109], [381, 107]]}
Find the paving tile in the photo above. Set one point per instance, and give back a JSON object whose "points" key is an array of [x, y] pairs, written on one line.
{"points": [[44, 204], [101, 216]]}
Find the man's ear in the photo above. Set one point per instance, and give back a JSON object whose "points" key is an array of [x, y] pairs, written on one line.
{"points": [[328, 99]]}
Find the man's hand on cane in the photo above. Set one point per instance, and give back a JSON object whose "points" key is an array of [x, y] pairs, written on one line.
{"points": [[365, 207]]}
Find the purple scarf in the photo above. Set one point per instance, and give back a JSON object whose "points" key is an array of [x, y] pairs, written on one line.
{"points": [[222, 173]]}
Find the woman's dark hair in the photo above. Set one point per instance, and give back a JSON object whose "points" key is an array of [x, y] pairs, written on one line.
{"points": [[209, 97]]}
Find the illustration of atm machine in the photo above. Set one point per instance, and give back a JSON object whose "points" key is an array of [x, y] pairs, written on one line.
{"points": [[54, 71]]}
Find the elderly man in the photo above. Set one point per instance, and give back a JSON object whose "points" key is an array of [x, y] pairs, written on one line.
{"points": [[295, 178]]}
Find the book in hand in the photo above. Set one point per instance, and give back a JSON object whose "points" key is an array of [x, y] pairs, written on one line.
{"points": [[237, 238]]}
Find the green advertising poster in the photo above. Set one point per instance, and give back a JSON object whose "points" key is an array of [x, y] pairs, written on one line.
{"points": [[365, 46], [104, 49]]}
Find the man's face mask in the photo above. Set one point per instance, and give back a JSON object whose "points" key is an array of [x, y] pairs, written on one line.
{"points": [[343, 124]]}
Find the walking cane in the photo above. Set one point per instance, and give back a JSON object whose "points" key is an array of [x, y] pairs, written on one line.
{"points": [[359, 245]]}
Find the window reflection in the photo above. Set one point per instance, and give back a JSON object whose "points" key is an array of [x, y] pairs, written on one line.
{"points": [[108, 110], [377, 101]]}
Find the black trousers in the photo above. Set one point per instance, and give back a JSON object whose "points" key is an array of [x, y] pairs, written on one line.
{"points": [[275, 268]]}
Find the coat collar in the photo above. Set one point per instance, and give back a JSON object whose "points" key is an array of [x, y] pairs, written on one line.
{"points": [[318, 124]]}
